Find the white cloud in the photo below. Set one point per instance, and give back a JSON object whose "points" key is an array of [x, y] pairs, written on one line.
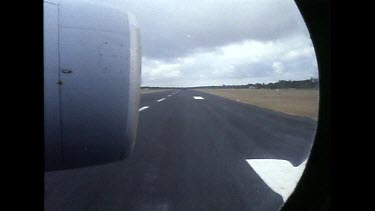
{"points": [[248, 61], [158, 70], [299, 53], [278, 67]]}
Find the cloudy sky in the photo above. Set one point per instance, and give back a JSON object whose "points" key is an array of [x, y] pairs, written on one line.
{"points": [[216, 42]]}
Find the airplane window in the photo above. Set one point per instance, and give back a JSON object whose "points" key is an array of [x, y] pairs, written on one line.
{"points": [[228, 108]]}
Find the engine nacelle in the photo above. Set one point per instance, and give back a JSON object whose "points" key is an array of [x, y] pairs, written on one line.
{"points": [[92, 68]]}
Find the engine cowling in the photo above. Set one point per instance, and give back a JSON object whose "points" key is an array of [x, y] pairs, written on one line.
{"points": [[92, 68]]}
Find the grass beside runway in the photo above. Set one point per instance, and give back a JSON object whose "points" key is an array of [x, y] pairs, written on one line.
{"points": [[146, 91], [300, 102]]}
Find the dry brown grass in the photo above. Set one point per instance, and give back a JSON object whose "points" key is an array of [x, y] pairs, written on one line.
{"points": [[146, 91], [292, 101]]}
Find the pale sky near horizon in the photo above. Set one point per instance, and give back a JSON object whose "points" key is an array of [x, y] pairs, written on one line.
{"points": [[202, 42]]}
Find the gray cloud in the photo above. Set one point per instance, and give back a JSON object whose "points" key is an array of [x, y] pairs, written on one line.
{"points": [[195, 42], [175, 28]]}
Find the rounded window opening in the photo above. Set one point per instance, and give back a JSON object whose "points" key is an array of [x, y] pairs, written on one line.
{"points": [[227, 117]]}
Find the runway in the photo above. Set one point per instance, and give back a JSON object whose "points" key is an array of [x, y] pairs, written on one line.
{"points": [[191, 153]]}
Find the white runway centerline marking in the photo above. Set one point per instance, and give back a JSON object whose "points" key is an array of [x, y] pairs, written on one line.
{"points": [[143, 108], [198, 98], [160, 100], [280, 175], [169, 95]]}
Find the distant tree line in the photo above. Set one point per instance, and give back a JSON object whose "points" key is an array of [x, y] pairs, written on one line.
{"points": [[312, 83]]}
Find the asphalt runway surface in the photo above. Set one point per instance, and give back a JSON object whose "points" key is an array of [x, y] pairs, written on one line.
{"points": [[190, 154]]}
